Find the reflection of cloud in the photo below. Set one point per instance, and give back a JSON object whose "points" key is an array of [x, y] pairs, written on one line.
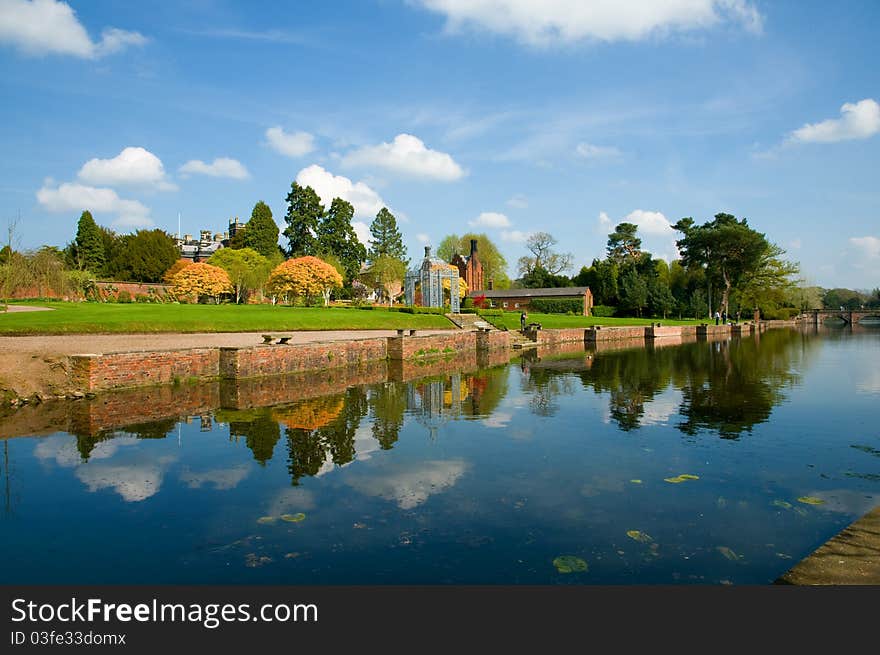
{"points": [[134, 483], [870, 383], [364, 442], [410, 486], [844, 501], [63, 450], [658, 411], [290, 501], [498, 420], [221, 478]]}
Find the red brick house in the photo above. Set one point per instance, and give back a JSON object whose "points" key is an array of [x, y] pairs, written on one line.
{"points": [[470, 268], [518, 299]]}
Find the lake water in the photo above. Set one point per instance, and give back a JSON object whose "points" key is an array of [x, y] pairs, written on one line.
{"points": [[702, 463]]}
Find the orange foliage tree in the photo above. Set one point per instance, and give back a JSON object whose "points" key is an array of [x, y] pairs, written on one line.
{"points": [[176, 267], [304, 277], [201, 279]]}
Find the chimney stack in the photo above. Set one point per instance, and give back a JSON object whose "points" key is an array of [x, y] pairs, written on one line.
{"points": [[473, 246]]}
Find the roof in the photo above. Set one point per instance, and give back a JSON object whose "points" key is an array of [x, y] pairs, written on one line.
{"points": [[558, 292]]}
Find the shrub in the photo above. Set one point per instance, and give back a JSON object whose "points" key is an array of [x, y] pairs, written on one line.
{"points": [[123, 296], [490, 312], [603, 310], [142, 297], [467, 303], [556, 305], [779, 314]]}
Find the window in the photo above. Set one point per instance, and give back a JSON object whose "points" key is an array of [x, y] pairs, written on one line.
{"points": [[516, 305]]}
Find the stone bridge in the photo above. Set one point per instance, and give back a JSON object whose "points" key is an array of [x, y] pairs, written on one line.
{"points": [[850, 316]]}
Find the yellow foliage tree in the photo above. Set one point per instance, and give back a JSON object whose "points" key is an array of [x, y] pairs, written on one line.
{"points": [[176, 267], [200, 279], [304, 277]]}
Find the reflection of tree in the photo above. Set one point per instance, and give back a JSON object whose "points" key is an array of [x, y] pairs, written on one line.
{"points": [[86, 442], [308, 446], [387, 406], [488, 388], [260, 434], [735, 384], [544, 383]]}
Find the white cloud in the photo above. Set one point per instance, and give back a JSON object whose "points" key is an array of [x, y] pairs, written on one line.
{"points": [[868, 246], [421, 237], [514, 236], [221, 479], [857, 121], [519, 201], [133, 482], [605, 226], [362, 230], [490, 220], [410, 486], [550, 22], [220, 167], [44, 27], [589, 151], [71, 197], [652, 223], [133, 166], [290, 145], [328, 186], [408, 155]]}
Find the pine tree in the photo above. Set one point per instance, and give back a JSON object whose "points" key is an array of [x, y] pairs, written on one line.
{"points": [[304, 212], [89, 244], [261, 232], [386, 237], [337, 237]]}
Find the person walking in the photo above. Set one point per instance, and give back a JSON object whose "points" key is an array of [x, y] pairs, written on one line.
{"points": [[522, 320], [717, 317]]}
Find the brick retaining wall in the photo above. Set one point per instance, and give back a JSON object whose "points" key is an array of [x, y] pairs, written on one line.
{"points": [[137, 369]]}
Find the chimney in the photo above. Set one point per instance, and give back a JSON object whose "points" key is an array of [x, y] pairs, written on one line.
{"points": [[473, 247], [427, 252], [490, 284]]}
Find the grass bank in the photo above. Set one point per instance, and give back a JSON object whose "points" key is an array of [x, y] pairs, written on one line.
{"points": [[106, 318], [510, 320]]}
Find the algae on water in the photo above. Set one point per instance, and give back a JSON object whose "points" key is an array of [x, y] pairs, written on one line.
{"points": [[570, 564]]}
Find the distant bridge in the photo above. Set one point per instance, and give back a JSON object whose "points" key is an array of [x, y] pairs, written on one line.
{"points": [[818, 316]]}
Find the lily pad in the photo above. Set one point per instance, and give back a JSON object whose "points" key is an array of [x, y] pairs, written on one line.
{"points": [[811, 500], [728, 553], [639, 536], [782, 504], [293, 518], [570, 564], [636, 481], [267, 519], [682, 478]]}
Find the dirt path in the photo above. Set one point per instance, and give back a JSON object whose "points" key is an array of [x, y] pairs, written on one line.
{"points": [[38, 364]]}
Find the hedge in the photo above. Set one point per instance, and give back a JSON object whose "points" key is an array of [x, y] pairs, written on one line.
{"points": [[603, 310], [490, 312], [779, 314], [557, 305], [424, 310]]}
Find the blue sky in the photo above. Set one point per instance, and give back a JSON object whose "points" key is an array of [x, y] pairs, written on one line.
{"points": [[502, 116]]}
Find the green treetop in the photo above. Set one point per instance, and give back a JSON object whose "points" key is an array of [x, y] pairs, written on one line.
{"points": [[89, 245], [336, 236], [386, 238], [261, 233], [304, 212]]}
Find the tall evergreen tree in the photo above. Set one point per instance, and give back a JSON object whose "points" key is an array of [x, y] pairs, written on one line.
{"points": [[261, 233], [336, 236], [623, 244], [304, 212], [89, 244], [386, 237]]}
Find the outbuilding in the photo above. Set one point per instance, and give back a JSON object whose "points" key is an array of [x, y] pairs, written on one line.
{"points": [[519, 299]]}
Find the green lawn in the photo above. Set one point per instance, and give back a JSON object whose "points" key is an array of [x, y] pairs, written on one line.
{"points": [[80, 318], [549, 321]]}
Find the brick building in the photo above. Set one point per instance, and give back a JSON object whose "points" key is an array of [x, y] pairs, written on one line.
{"points": [[470, 268]]}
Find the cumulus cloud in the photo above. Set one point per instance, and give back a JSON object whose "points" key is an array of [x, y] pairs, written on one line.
{"points": [[328, 186], [290, 145], [590, 151], [652, 223], [858, 120], [362, 230], [868, 246], [421, 237], [407, 155], [220, 167], [514, 236], [605, 226], [490, 220], [519, 201], [549, 22], [72, 197], [44, 27], [133, 166]]}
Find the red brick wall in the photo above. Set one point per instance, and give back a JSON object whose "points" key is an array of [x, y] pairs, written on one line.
{"points": [[436, 345], [550, 337], [277, 359], [124, 370], [614, 334]]}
